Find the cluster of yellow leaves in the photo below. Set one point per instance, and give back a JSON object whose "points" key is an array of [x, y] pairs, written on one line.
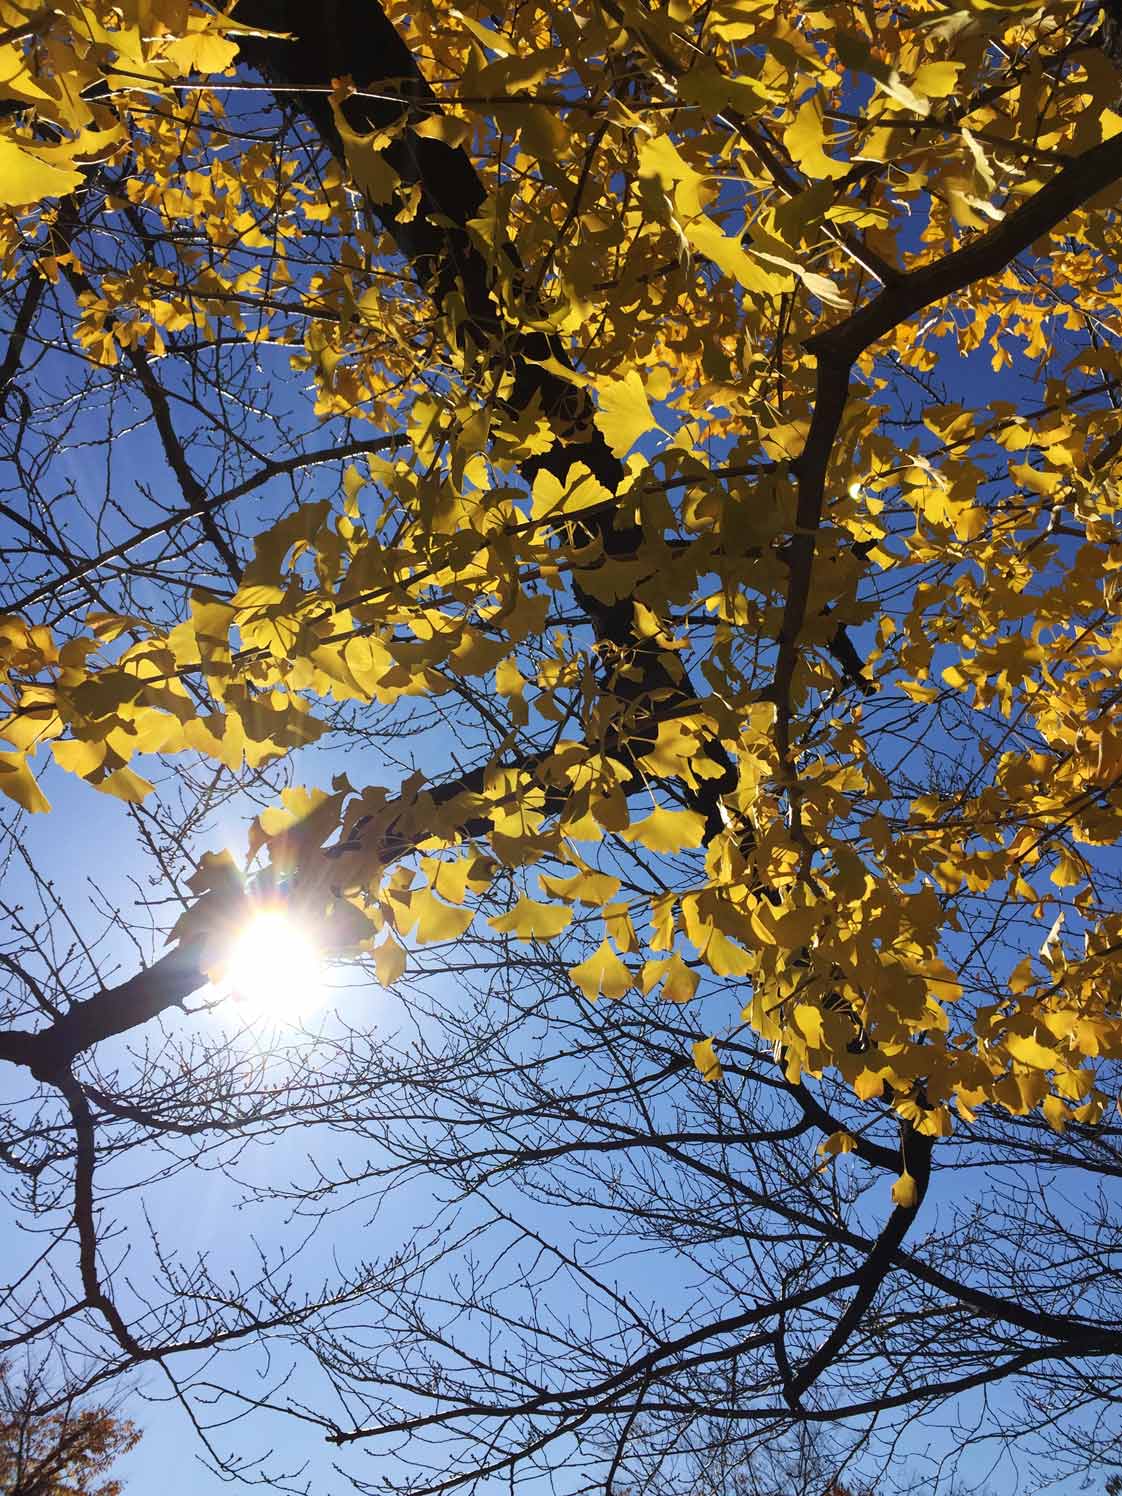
{"points": [[759, 203], [67, 65]]}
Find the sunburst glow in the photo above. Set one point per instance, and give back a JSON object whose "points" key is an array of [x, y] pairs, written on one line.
{"points": [[276, 967]]}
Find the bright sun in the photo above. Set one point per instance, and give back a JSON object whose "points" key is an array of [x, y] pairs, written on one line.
{"points": [[275, 967]]}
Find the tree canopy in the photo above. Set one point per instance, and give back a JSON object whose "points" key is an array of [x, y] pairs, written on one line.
{"points": [[65, 1453], [610, 514]]}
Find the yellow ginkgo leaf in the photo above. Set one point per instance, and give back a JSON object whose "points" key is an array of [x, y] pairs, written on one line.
{"points": [[805, 139], [1020, 978], [18, 783], [679, 982], [453, 132], [27, 729], [583, 888], [433, 920], [580, 491], [936, 80], [25, 178], [624, 414], [201, 52], [126, 785], [1069, 871], [661, 162], [602, 975], [707, 86], [837, 1142], [509, 680], [370, 171], [79, 757], [1029, 1050], [808, 1021], [529, 920], [667, 830], [389, 962], [1055, 1113], [724, 957], [904, 1192], [705, 1058], [448, 879], [942, 981]]}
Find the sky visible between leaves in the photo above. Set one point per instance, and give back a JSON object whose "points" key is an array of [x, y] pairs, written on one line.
{"points": [[90, 850]]}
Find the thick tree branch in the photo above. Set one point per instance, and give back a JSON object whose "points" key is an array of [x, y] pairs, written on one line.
{"points": [[839, 347], [50, 1052], [354, 38], [916, 1160]]}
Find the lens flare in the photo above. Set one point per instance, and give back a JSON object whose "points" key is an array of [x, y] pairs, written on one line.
{"points": [[275, 967]]}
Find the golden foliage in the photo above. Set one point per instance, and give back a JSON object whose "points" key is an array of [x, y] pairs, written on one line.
{"points": [[741, 254]]}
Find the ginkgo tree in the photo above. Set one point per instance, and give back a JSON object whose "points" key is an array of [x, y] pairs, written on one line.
{"points": [[644, 534]]}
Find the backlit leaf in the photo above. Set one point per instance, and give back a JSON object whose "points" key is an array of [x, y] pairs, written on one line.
{"points": [[18, 783], [667, 830], [706, 1061], [805, 138], [125, 784], [25, 177], [389, 961], [529, 920], [602, 975], [623, 414], [904, 1192]]}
